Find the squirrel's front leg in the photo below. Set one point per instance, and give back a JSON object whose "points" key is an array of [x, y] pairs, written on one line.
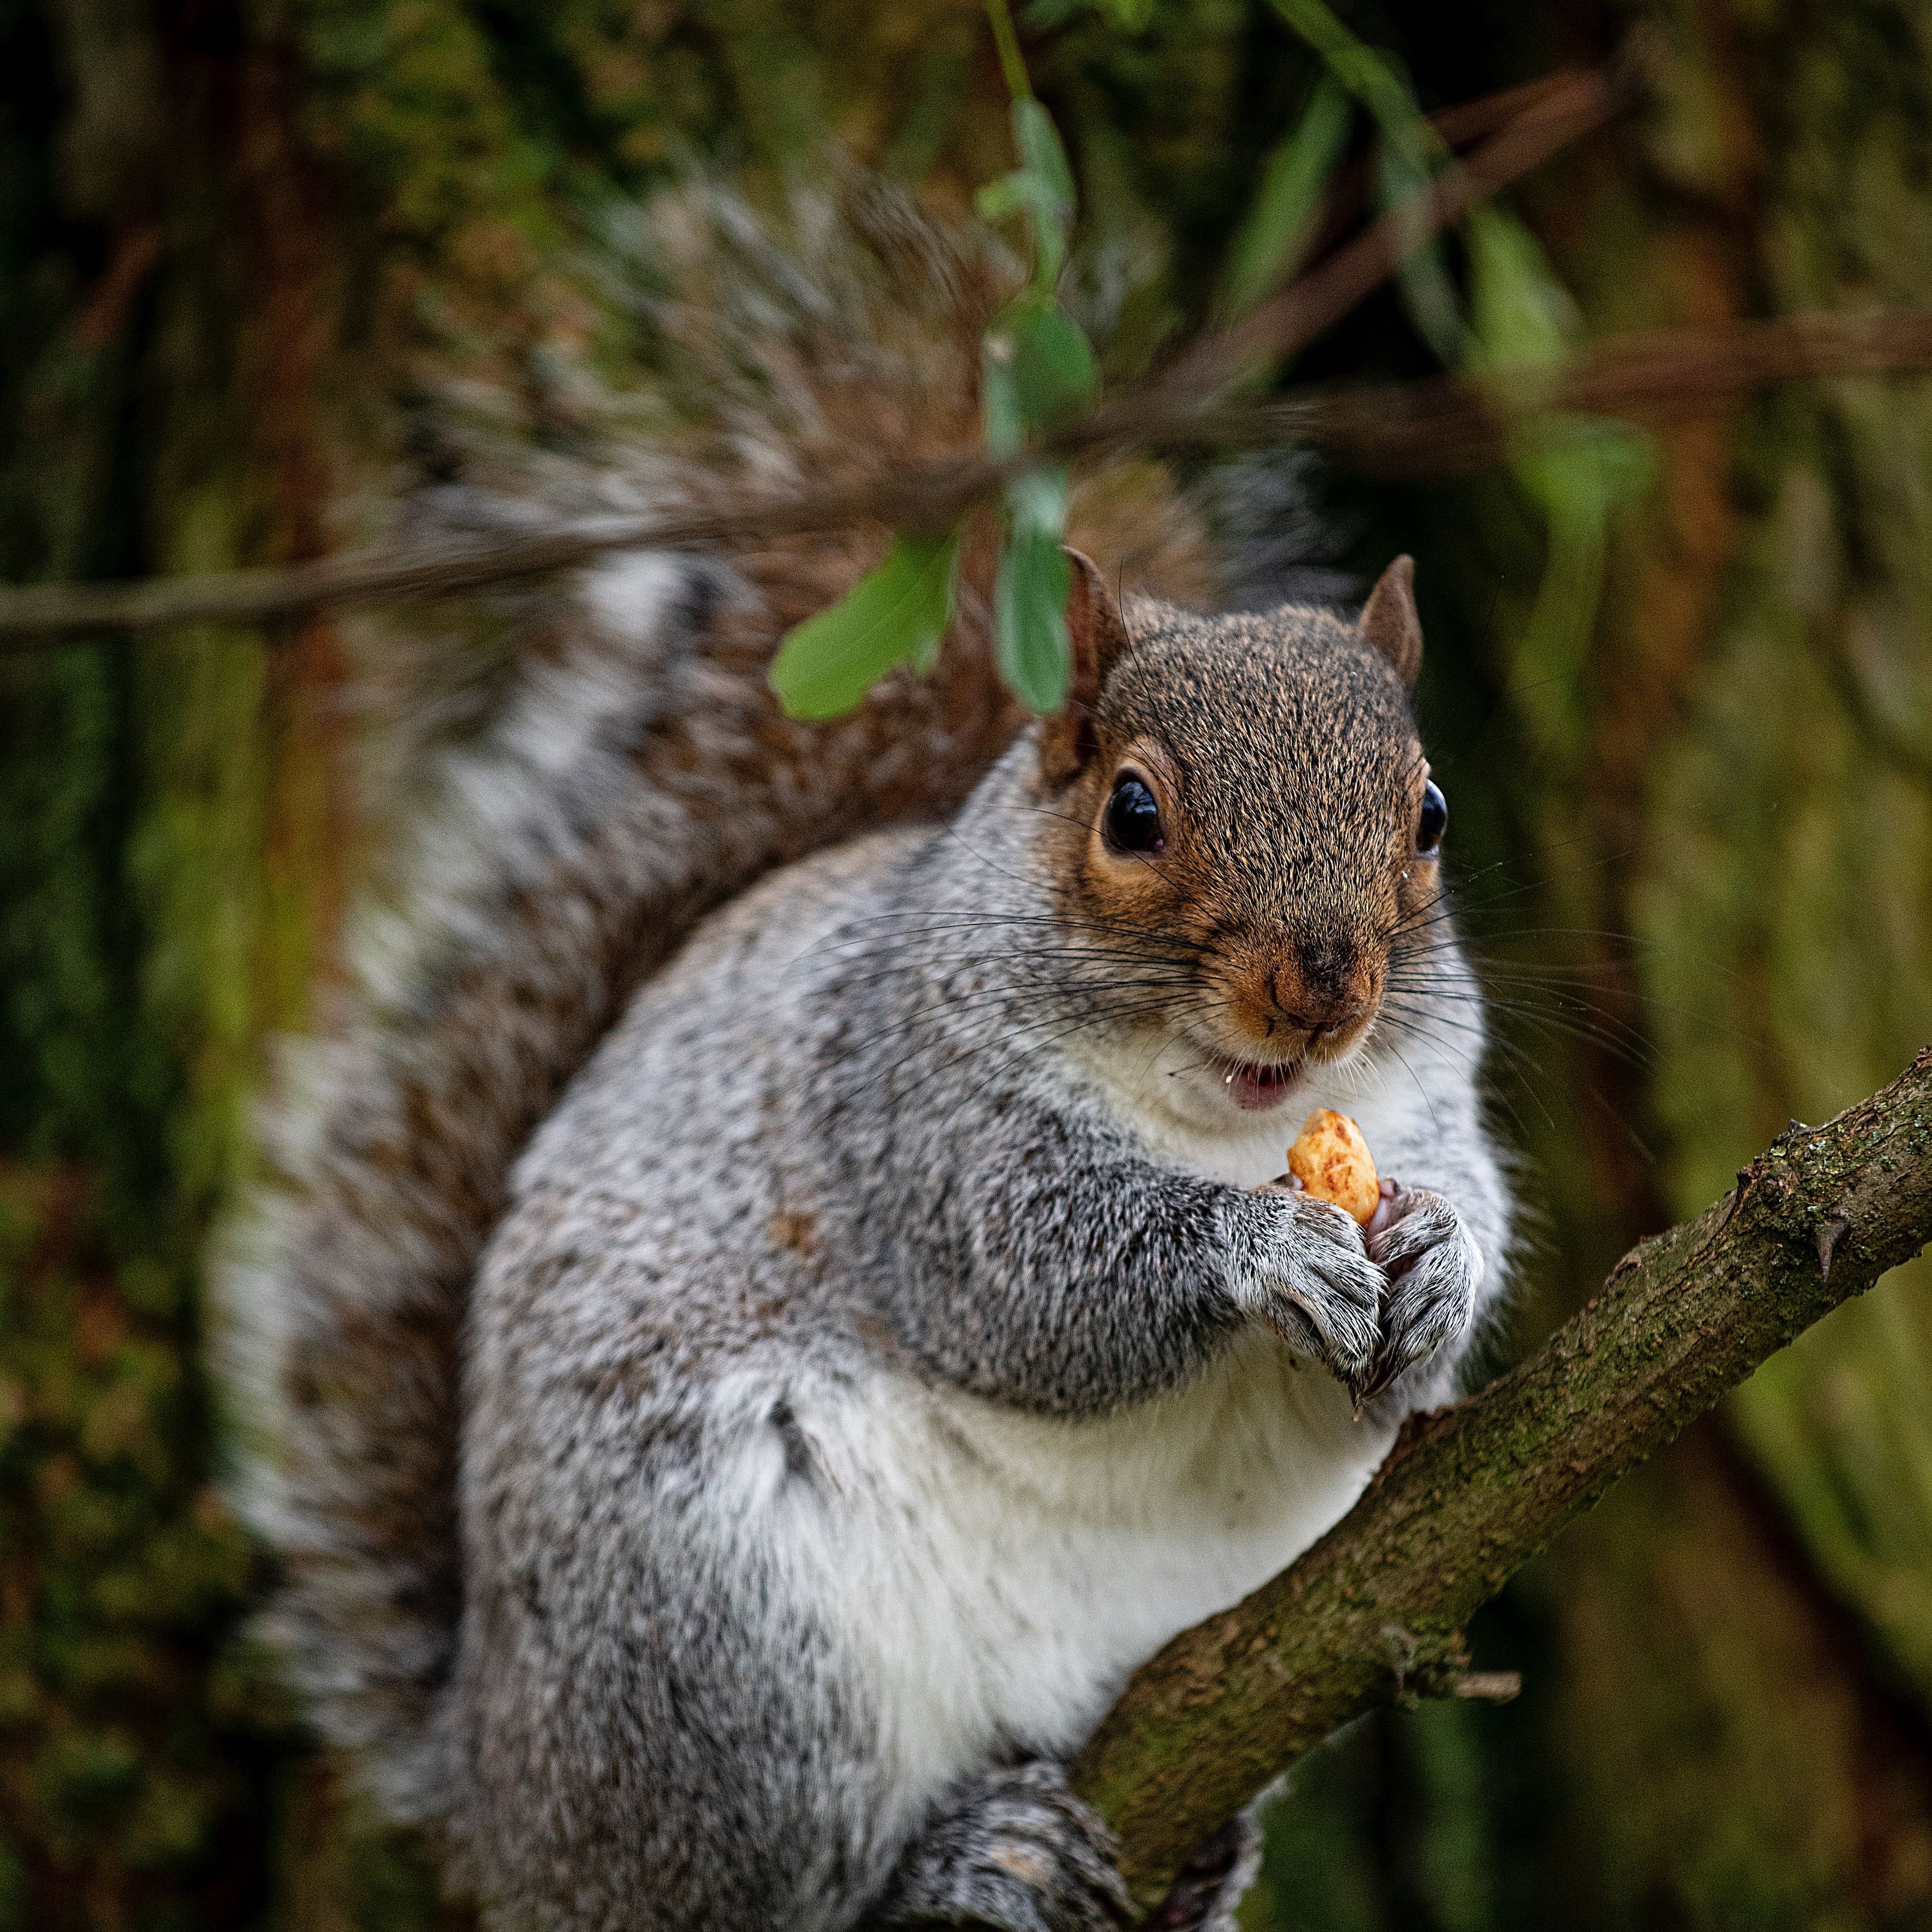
{"points": [[1301, 1265], [1434, 1271]]}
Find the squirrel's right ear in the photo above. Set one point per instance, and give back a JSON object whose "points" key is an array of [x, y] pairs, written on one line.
{"points": [[1389, 622], [1098, 634]]}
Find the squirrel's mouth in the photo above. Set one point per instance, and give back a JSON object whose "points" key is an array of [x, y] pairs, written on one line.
{"points": [[1254, 1086]]}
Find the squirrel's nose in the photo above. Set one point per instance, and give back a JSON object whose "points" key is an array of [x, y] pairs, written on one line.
{"points": [[1327, 965], [1321, 984]]}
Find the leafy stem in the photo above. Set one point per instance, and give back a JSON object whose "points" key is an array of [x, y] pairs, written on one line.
{"points": [[1037, 374]]}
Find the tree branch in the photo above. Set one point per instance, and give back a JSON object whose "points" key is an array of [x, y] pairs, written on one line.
{"points": [[1314, 301], [1373, 1612], [1444, 424]]}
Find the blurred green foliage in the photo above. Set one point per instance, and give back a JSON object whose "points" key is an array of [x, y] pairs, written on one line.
{"points": [[1695, 834]]}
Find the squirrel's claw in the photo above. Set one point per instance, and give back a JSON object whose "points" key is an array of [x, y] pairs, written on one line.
{"points": [[1310, 1278], [1434, 1272]]}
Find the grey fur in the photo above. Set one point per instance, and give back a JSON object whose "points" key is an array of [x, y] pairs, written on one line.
{"points": [[1435, 1274], [1011, 1849], [634, 777]]}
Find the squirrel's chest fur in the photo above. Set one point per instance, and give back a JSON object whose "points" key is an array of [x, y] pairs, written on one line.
{"points": [[1003, 1574]]}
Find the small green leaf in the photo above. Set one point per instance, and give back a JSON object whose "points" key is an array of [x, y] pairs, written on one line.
{"points": [[1408, 149], [1029, 593], [1523, 315], [1030, 602], [1037, 500], [1043, 156], [1373, 79], [1578, 470], [1003, 425], [997, 200], [1054, 372], [1027, 194], [896, 614], [1277, 226]]}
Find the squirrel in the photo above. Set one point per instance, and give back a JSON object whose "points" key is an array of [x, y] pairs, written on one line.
{"points": [[780, 1297]]}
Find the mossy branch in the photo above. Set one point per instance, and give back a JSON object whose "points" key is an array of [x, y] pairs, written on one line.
{"points": [[1374, 1611]]}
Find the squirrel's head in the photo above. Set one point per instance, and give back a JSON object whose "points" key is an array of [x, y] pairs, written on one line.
{"points": [[1240, 806]]}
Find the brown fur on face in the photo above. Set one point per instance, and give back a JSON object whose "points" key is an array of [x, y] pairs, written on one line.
{"points": [[1283, 752]]}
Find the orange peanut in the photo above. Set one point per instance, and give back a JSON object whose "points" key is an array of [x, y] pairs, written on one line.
{"points": [[1332, 1162]]}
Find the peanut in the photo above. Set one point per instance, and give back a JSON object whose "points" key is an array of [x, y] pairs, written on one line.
{"points": [[1332, 1162]]}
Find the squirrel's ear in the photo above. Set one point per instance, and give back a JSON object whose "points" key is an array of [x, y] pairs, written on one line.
{"points": [[1389, 621], [1097, 634]]}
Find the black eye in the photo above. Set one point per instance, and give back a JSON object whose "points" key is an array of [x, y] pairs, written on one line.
{"points": [[1132, 822], [1433, 820]]}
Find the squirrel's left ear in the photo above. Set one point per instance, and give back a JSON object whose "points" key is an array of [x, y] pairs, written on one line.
{"points": [[1098, 634], [1389, 622]]}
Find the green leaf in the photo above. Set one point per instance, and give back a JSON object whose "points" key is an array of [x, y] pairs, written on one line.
{"points": [[1045, 203], [1042, 156], [1523, 316], [1275, 232], [1029, 592], [1037, 500], [1041, 189], [1029, 603], [1408, 149], [894, 615], [1054, 372], [1578, 470], [1037, 371], [1374, 79], [997, 200], [1003, 425]]}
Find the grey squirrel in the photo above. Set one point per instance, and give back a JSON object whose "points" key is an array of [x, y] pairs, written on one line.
{"points": [[752, 1371]]}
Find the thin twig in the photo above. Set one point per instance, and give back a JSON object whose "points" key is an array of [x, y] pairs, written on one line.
{"points": [[1439, 425], [1448, 423], [1314, 302], [1457, 127], [932, 493]]}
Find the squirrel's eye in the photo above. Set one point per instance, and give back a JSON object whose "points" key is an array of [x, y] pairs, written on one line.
{"points": [[1132, 820], [1433, 820]]}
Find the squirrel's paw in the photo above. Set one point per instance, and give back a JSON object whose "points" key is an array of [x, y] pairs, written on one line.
{"points": [[1434, 1272], [1311, 1279], [1014, 1850]]}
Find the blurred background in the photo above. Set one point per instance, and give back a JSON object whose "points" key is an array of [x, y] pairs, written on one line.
{"points": [[1680, 696]]}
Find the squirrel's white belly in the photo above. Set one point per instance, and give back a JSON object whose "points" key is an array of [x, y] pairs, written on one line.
{"points": [[998, 1575]]}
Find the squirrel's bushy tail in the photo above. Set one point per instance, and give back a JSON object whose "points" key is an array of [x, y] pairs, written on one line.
{"points": [[641, 775], [629, 770]]}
